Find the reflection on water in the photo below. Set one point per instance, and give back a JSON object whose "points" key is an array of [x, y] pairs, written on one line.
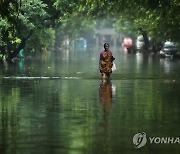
{"points": [[105, 92], [79, 113], [105, 96]]}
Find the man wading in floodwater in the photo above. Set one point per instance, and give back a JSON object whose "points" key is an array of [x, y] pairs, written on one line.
{"points": [[106, 62]]}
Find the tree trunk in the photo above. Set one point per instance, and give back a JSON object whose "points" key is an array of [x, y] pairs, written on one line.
{"points": [[146, 39], [16, 51]]}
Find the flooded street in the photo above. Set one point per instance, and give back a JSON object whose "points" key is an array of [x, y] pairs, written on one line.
{"points": [[68, 109]]}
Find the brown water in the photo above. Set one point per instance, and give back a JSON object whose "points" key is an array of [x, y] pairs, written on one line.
{"points": [[77, 113]]}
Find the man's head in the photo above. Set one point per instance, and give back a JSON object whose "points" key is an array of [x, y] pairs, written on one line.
{"points": [[106, 46]]}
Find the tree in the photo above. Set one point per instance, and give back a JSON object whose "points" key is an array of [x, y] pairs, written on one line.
{"points": [[159, 18], [17, 24]]}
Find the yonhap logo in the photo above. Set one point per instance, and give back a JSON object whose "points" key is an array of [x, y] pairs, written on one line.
{"points": [[139, 140]]}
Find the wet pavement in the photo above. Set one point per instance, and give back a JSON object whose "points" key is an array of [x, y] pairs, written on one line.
{"points": [[68, 109]]}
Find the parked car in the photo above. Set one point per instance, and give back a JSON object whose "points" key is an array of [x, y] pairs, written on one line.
{"points": [[140, 42], [169, 49], [80, 43], [128, 45], [127, 42]]}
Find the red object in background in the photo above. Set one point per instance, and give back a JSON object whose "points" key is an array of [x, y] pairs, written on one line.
{"points": [[127, 42]]}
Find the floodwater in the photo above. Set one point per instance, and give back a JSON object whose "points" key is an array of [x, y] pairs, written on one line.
{"points": [[68, 109]]}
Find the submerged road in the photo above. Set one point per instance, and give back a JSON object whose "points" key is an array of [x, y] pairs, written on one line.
{"points": [[59, 104]]}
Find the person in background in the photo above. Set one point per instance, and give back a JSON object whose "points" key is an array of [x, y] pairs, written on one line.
{"points": [[106, 62]]}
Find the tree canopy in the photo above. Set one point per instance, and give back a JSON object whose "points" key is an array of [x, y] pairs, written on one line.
{"points": [[159, 18]]}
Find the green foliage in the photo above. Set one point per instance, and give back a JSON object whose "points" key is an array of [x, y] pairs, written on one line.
{"points": [[159, 18], [21, 17], [31, 14], [39, 39], [27, 17]]}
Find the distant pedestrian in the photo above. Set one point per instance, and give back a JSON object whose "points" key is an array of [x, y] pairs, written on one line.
{"points": [[106, 62]]}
